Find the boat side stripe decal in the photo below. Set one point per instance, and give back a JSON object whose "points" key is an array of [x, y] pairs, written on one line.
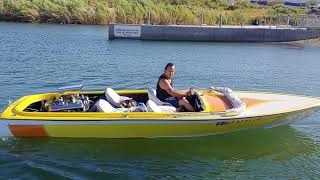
{"points": [[28, 130], [45, 122]]}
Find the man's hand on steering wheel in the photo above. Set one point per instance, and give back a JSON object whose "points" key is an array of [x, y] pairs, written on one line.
{"points": [[190, 92]]}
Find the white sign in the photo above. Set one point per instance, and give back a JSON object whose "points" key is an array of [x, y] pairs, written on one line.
{"points": [[127, 31]]}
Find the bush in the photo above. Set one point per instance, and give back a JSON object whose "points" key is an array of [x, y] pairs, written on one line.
{"points": [[139, 11]]}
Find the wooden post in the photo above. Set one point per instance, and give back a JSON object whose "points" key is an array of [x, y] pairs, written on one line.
{"points": [[241, 20], [220, 21], [270, 22], [202, 18], [278, 18]]}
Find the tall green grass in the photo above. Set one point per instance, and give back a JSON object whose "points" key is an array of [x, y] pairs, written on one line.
{"points": [[139, 11]]}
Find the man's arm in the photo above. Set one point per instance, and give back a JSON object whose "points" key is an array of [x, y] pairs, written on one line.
{"points": [[164, 84]]}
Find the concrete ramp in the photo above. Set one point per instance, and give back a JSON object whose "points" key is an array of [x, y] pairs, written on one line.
{"points": [[209, 33]]}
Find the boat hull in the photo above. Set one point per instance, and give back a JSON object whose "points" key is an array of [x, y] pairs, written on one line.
{"points": [[141, 128], [262, 109]]}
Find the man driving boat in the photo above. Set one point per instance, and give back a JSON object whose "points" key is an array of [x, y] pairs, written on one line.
{"points": [[166, 92]]}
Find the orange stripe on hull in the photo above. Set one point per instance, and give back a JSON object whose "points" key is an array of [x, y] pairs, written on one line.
{"points": [[221, 103], [250, 102], [28, 130], [218, 102]]}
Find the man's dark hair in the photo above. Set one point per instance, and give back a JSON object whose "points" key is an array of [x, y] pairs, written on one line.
{"points": [[169, 65]]}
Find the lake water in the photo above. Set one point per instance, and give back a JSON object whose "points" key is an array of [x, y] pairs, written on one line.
{"points": [[41, 58]]}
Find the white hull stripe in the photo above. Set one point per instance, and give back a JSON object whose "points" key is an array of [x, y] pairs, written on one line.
{"points": [[84, 122]]}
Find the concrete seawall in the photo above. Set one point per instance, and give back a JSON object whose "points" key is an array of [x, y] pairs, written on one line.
{"points": [[209, 33]]}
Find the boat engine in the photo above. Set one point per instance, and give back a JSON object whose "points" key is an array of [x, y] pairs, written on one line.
{"points": [[71, 103]]}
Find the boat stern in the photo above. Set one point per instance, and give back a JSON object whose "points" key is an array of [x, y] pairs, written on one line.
{"points": [[6, 115], [4, 129]]}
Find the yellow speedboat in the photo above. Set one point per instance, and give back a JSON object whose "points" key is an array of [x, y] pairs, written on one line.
{"points": [[76, 113]]}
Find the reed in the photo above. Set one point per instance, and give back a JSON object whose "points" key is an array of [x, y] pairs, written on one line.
{"points": [[139, 11]]}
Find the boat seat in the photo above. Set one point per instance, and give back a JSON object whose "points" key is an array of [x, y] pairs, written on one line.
{"points": [[152, 95], [114, 98], [153, 107], [103, 106]]}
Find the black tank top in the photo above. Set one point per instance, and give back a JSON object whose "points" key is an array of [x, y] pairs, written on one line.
{"points": [[161, 93]]}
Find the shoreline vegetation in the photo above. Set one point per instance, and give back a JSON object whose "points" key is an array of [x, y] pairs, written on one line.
{"points": [[188, 12]]}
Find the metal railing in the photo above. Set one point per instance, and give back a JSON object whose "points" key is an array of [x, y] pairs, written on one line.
{"points": [[280, 21], [310, 21]]}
